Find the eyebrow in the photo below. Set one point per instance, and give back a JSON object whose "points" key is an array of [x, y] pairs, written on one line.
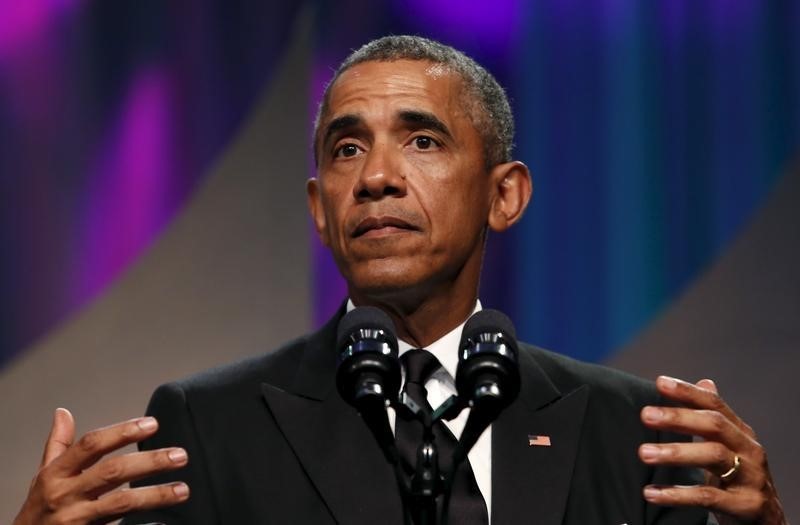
{"points": [[423, 119], [340, 123], [416, 118]]}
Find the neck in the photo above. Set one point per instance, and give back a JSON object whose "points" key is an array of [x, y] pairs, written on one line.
{"points": [[421, 324], [422, 317], [424, 313]]}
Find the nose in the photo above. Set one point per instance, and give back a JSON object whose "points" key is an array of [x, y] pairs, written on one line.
{"points": [[380, 176]]}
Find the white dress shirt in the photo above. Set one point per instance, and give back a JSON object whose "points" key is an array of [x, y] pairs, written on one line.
{"points": [[440, 386]]}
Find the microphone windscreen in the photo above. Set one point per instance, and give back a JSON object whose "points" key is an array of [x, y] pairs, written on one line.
{"points": [[365, 317], [489, 321]]}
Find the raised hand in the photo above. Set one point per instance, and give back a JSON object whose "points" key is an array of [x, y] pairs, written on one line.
{"points": [[739, 487], [76, 481]]}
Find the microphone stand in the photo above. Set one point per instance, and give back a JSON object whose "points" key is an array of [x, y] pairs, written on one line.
{"points": [[426, 482], [487, 380]]}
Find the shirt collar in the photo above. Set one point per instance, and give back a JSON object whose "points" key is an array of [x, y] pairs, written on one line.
{"points": [[445, 348]]}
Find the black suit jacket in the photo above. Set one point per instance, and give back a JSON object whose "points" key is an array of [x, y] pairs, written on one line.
{"points": [[270, 441]]}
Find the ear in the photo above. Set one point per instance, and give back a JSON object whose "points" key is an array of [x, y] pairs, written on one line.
{"points": [[317, 210], [512, 187]]}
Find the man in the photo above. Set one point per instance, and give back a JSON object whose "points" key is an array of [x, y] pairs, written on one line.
{"points": [[413, 144]]}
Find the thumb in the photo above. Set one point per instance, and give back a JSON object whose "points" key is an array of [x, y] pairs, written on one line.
{"points": [[708, 384], [62, 434]]}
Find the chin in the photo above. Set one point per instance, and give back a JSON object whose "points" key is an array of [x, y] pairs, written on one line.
{"points": [[385, 278]]}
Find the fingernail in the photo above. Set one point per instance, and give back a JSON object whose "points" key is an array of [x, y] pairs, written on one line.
{"points": [[177, 455], [147, 423], [667, 383], [707, 384], [652, 492], [181, 490], [653, 414], [649, 451]]}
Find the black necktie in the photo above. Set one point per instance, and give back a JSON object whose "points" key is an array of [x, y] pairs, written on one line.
{"points": [[467, 505]]}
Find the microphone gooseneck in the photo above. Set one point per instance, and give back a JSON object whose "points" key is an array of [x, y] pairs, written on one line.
{"points": [[487, 378]]}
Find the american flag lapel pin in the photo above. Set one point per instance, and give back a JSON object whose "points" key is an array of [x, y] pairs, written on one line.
{"points": [[538, 441]]}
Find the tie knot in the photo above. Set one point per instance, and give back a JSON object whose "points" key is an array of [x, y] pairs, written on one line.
{"points": [[419, 365]]}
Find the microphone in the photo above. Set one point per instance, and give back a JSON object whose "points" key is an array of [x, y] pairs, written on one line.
{"points": [[369, 371], [368, 374], [487, 378]]}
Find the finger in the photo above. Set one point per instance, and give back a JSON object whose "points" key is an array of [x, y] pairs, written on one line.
{"points": [[708, 384], [116, 504], [709, 424], [62, 434], [95, 444], [712, 456], [110, 473], [744, 503], [695, 396]]}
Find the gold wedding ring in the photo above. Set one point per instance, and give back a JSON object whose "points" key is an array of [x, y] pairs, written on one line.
{"points": [[737, 462]]}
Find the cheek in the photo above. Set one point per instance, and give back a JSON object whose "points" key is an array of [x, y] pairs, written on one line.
{"points": [[455, 193], [334, 211], [457, 212]]}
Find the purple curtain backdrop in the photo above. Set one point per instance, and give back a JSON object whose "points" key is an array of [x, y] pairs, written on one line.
{"points": [[110, 113], [653, 130]]}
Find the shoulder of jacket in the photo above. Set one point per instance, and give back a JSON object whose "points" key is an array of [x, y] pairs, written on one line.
{"points": [[609, 383]]}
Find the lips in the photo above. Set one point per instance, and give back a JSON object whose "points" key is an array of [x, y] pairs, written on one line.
{"points": [[385, 223]]}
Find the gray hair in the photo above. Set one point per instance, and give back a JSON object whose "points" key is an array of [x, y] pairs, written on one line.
{"points": [[490, 110]]}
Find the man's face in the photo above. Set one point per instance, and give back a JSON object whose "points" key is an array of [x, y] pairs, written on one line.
{"points": [[403, 194]]}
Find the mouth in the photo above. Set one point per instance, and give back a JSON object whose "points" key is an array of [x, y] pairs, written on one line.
{"points": [[379, 226]]}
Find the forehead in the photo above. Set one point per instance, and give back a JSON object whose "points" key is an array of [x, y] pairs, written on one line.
{"points": [[378, 87]]}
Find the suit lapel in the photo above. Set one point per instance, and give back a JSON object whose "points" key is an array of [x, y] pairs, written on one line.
{"points": [[333, 444], [530, 483], [345, 464]]}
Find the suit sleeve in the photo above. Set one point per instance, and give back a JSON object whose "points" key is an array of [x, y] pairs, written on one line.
{"points": [[169, 405]]}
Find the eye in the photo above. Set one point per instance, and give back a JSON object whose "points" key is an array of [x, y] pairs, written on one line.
{"points": [[424, 142], [346, 150]]}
